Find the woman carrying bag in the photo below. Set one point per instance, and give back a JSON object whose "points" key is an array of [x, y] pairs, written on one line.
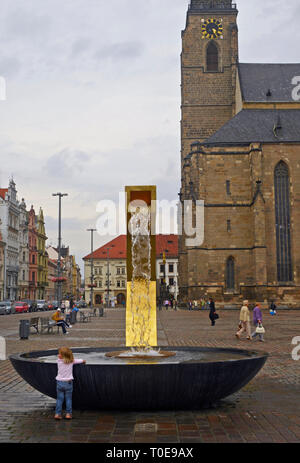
{"points": [[257, 321]]}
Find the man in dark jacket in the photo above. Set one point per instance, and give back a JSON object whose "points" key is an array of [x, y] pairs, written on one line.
{"points": [[212, 312]]}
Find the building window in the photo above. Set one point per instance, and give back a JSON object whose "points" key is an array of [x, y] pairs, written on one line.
{"points": [[162, 268], [283, 223], [171, 281], [33, 259], [228, 187], [123, 271], [118, 284], [23, 275], [230, 274], [123, 283], [118, 271], [212, 58], [229, 225], [171, 268]]}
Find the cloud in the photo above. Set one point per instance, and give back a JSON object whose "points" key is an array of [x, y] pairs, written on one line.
{"points": [[120, 51], [80, 46], [67, 164], [9, 66], [25, 23]]}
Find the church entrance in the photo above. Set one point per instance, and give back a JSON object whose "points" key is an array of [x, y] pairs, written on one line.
{"points": [[121, 299], [98, 299]]}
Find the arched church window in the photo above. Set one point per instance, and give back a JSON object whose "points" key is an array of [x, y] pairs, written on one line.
{"points": [[212, 57], [283, 223], [230, 274]]}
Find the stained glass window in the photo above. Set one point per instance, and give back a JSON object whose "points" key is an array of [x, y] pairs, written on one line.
{"points": [[283, 223]]}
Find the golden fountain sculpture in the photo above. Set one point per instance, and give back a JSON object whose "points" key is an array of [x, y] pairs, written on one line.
{"points": [[141, 324]]}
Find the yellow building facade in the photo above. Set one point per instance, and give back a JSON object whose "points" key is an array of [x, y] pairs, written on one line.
{"points": [[42, 275]]}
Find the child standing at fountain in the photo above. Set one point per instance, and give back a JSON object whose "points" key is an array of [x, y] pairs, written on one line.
{"points": [[64, 381]]}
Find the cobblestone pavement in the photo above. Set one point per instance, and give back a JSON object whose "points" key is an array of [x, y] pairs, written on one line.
{"points": [[266, 410]]}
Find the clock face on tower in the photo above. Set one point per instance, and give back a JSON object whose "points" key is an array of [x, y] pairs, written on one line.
{"points": [[212, 29]]}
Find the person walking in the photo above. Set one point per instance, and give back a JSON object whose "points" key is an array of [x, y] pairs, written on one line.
{"points": [[64, 382], [244, 321], [212, 312], [63, 306], [59, 320], [68, 315], [257, 321], [273, 308], [190, 304]]}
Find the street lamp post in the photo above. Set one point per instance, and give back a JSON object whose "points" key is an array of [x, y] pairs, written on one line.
{"points": [[108, 275], [59, 282], [92, 230], [163, 287]]}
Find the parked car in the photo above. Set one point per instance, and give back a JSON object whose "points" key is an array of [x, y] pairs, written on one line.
{"points": [[32, 305], [6, 308], [81, 304], [21, 307], [49, 306], [41, 305]]}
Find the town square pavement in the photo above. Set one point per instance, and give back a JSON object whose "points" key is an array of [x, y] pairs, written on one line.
{"points": [[267, 410]]}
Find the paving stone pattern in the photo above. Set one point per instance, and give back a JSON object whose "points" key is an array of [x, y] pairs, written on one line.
{"points": [[266, 410]]}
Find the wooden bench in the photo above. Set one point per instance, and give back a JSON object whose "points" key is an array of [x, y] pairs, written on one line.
{"points": [[48, 325], [34, 323]]}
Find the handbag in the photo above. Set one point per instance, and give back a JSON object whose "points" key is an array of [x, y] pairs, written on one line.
{"points": [[260, 329], [216, 316]]}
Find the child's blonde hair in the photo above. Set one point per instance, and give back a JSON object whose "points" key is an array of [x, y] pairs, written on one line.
{"points": [[66, 354]]}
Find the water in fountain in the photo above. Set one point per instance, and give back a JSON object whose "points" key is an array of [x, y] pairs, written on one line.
{"points": [[139, 228]]}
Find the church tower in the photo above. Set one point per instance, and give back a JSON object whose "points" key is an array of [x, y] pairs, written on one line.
{"points": [[209, 62], [208, 69]]}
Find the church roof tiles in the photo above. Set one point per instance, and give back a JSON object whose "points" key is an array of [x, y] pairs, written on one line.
{"points": [[259, 125], [268, 82]]}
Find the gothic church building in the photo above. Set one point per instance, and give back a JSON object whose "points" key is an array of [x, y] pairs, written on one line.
{"points": [[240, 153]]}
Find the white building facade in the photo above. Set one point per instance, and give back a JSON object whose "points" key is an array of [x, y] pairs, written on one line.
{"points": [[10, 227]]}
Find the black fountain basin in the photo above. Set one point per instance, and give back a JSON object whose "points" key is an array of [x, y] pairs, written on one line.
{"points": [[194, 378]]}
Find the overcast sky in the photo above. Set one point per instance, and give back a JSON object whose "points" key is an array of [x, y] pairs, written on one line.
{"points": [[93, 97]]}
